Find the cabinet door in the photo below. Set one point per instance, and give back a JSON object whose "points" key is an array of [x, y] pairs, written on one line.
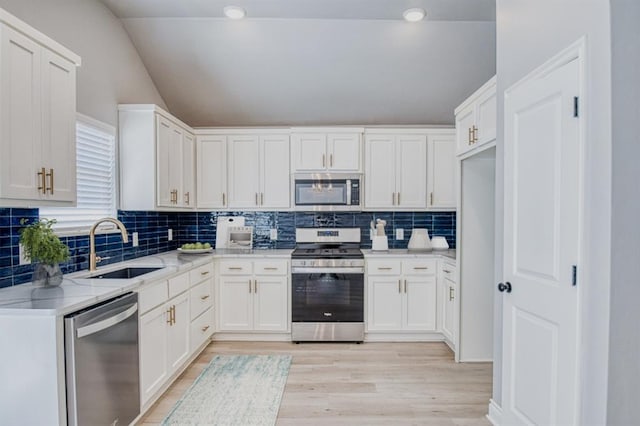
{"points": [[211, 171], [274, 172], [235, 303], [420, 310], [309, 151], [243, 171], [465, 122], [380, 172], [169, 154], [59, 126], [449, 295], [384, 303], [178, 332], [271, 311], [344, 151], [486, 117], [188, 170], [153, 351], [20, 116], [411, 171], [442, 167]]}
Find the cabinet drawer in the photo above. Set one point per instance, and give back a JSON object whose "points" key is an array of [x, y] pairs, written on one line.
{"points": [[178, 284], [270, 267], [230, 267], [201, 329], [152, 295], [419, 267], [201, 273], [383, 267], [448, 271], [201, 298]]}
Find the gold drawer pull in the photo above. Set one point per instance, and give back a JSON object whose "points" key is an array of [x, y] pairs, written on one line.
{"points": [[204, 273], [205, 328], [50, 175], [446, 271], [42, 175], [420, 267], [235, 268], [270, 269], [384, 269], [451, 297], [204, 297]]}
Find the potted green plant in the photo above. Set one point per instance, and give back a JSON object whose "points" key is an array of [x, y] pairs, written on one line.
{"points": [[42, 245]]}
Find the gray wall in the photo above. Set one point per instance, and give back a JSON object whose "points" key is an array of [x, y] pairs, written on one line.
{"points": [[528, 33], [111, 71], [624, 344]]}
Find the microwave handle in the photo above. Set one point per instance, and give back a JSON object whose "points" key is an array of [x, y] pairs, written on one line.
{"points": [[348, 192]]}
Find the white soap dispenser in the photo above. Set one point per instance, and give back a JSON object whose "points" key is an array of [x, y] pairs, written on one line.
{"points": [[380, 241]]}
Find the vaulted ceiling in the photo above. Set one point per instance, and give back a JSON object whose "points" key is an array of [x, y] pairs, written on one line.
{"points": [[313, 62]]}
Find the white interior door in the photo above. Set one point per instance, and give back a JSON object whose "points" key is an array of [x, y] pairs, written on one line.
{"points": [[542, 223]]}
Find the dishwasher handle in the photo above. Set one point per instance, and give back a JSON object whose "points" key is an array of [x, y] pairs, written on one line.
{"points": [[106, 323]]}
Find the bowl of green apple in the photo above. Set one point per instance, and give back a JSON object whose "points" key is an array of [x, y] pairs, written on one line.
{"points": [[195, 248]]}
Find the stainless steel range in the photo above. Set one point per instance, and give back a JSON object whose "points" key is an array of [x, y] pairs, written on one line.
{"points": [[327, 277]]}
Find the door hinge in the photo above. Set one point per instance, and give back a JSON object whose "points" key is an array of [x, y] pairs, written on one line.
{"points": [[575, 106], [574, 275]]}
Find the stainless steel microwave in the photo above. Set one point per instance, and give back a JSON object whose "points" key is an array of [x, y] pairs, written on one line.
{"points": [[326, 192]]}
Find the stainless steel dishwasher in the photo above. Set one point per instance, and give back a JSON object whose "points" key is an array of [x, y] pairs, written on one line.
{"points": [[101, 351]]}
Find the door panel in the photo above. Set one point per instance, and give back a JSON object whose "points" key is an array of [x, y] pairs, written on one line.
{"points": [[465, 120], [542, 223], [178, 332], [380, 171], [411, 159], [163, 141], [442, 168], [420, 304], [211, 171], [188, 171], [344, 152], [309, 151], [153, 351], [274, 174], [384, 303], [236, 303], [243, 171], [270, 304]]}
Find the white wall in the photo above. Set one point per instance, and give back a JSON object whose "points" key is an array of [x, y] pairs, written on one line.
{"points": [[111, 72], [528, 33], [624, 344]]}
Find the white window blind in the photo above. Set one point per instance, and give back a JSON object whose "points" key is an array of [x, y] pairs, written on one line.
{"points": [[96, 175]]}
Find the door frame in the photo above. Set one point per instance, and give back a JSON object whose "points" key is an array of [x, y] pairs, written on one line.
{"points": [[575, 51]]}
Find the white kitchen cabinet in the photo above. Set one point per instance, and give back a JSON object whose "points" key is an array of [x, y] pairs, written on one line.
{"points": [[37, 118], [178, 349], [258, 168], [448, 291], [211, 171], [441, 171], [147, 132], [154, 368], [395, 171], [253, 296], [331, 150], [476, 119], [401, 295]]}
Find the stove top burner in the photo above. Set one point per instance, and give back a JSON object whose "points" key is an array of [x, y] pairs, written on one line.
{"points": [[327, 252]]}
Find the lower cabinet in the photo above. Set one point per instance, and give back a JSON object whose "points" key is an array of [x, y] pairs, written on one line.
{"points": [[401, 295], [253, 296], [449, 292], [176, 319]]}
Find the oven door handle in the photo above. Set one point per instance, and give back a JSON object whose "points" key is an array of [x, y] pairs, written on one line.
{"points": [[328, 270]]}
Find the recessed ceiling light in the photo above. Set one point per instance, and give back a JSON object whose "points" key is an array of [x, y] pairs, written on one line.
{"points": [[414, 14], [234, 12]]}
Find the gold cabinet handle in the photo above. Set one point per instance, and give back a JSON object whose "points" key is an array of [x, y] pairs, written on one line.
{"points": [[451, 297], [446, 271], [169, 316], [42, 175], [174, 313], [405, 286], [257, 199], [395, 194], [270, 268], [469, 137], [398, 198], [186, 198], [205, 328], [250, 284], [255, 286], [420, 267], [204, 297], [224, 199], [204, 273], [50, 175], [235, 268], [475, 134], [330, 160], [399, 286], [383, 269], [262, 198], [431, 199]]}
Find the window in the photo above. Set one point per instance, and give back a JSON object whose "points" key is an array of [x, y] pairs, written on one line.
{"points": [[96, 179]]}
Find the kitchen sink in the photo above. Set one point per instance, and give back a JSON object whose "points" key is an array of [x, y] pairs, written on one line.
{"points": [[124, 273]]}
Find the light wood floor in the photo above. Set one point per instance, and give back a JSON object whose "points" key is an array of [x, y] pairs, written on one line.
{"points": [[367, 384]]}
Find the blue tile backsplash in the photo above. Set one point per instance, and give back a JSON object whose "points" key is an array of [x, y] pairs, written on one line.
{"points": [[201, 226]]}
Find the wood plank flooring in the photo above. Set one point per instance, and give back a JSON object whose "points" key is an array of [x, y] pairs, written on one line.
{"points": [[367, 384]]}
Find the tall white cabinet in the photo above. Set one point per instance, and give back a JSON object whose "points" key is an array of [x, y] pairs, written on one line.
{"points": [[441, 171], [157, 164], [37, 117]]}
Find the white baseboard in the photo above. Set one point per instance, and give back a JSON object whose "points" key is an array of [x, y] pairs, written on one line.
{"points": [[251, 337], [377, 336], [495, 413]]}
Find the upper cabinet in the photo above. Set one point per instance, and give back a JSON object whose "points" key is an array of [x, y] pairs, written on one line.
{"points": [[258, 168], [476, 119], [326, 150], [395, 171], [37, 117], [441, 171], [156, 151], [211, 171]]}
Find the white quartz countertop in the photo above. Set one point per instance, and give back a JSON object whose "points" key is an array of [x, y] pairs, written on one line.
{"points": [[448, 254]]}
